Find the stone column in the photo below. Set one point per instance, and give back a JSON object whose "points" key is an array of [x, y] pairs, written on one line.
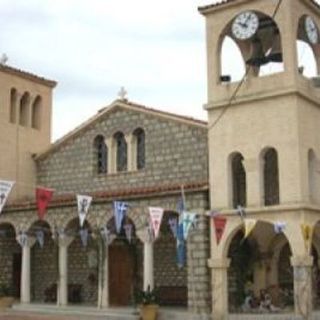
{"points": [[148, 280], [26, 243], [103, 292], [254, 182], [62, 294], [302, 275], [219, 281]]}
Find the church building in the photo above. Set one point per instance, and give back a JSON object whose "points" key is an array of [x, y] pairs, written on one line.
{"points": [[250, 177]]}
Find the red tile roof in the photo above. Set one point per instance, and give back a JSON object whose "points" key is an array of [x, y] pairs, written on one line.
{"points": [[70, 198], [27, 75]]}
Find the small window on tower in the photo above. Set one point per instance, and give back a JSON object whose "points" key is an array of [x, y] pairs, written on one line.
{"points": [[121, 152]]}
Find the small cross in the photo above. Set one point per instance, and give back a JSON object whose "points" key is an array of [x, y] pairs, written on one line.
{"points": [[122, 93]]}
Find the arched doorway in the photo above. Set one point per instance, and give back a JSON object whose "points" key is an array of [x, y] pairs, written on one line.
{"points": [[124, 263], [10, 262]]}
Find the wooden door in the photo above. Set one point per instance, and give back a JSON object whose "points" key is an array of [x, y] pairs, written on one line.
{"points": [[16, 274], [120, 274]]}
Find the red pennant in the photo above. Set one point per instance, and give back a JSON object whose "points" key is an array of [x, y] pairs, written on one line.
{"points": [[43, 197], [219, 224]]}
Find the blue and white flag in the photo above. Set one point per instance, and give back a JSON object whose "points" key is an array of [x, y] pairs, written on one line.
{"points": [[181, 202], [120, 209], [40, 238], [22, 238], [173, 223], [84, 234], [188, 219], [181, 247], [279, 227]]}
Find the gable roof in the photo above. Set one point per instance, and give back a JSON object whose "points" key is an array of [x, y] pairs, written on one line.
{"points": [[27, 75], [123, 104], [218, 3]]}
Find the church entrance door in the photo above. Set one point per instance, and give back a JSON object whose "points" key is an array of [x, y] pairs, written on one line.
{"points": [[120, 274]]}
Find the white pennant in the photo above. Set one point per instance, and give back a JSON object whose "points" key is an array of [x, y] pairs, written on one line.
{"points": [[5, 188], [83, 207], [156, 215]]}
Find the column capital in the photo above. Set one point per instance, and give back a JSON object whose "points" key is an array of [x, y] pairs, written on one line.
{"points": [[64, 240], [25, 241], [301, 261], [219, 263], [144, 236]]}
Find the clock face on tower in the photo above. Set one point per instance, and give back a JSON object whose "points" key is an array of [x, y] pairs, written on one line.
{"points": [[311, 30], [245, 25]]}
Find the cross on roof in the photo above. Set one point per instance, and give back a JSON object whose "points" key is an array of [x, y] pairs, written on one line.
{"points": [[122, 93]]}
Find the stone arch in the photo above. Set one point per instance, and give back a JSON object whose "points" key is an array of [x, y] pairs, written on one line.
{"points": [[36, 112], [307, 51], [13, 105], [24, 109], [263, 48], [237, 180], [269, 165]]}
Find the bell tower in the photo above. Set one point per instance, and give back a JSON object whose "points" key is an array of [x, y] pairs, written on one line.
{"points": [[264, 141]]}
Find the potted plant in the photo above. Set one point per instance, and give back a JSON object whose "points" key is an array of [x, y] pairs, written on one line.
{"points": [[6, 300], [148, 304]]}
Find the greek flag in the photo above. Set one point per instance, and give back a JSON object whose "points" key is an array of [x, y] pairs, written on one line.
{"points": [[120, 210]]}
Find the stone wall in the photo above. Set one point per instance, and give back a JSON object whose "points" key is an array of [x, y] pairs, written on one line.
{"points": [[175, 152]]}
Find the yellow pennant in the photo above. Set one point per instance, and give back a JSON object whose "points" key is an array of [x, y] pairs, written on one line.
{"points": [[307, 231], [249, 225]]}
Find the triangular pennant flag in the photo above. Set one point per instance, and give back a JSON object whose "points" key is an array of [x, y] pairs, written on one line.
{"points": [[181, 247], [241, 212], [83, 207], [173, 223], [40, 238], [128, 230], [43, 197], [307, 231], [156, 215], [219, 224], [249, 225], [84, 234], [279, 227], [188, 219], [5, 188], [120, 210]]}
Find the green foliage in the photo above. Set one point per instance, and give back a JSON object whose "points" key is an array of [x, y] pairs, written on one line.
{"points": [[146, 297]]}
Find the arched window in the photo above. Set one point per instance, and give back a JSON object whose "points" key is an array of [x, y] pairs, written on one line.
{"points": [[24, 109], [121, 152], [139, 148], [101, 154], [271, 178], [238, 181], [13, 105], [36, 113]]}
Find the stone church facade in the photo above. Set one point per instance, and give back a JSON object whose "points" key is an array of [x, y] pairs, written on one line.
{"points": [[254, 163]]}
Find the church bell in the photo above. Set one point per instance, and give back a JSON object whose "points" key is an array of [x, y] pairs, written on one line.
{"points": [[275, 54], [258, 57]]}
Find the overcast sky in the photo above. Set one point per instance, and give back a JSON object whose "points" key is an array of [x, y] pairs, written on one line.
{"points": [[155, 49]]}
